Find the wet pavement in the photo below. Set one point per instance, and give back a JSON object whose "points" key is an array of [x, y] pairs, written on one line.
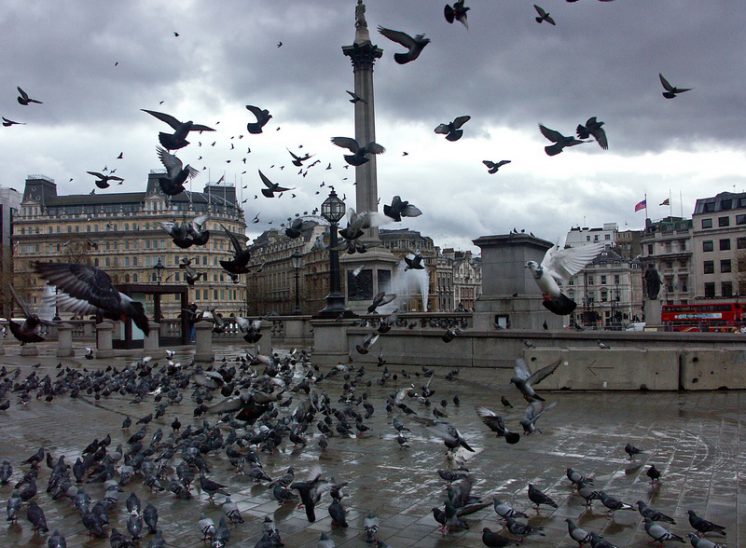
{"points": [[694, 439]]}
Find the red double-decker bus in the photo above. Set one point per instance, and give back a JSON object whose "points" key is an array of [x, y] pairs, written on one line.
{"points": [[724, 317]]}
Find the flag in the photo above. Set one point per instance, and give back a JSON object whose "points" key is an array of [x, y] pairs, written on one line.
{"points": [[641, 205], [664, 202]]}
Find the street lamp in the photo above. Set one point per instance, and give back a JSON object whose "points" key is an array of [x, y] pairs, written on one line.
{"points": [[158, 269], [333, 209], [297, 260]]}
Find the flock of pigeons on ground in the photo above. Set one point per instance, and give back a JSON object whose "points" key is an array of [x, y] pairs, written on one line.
{"points": [[253, 405]]}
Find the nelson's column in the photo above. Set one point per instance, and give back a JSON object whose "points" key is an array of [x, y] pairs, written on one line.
{"points": [[378, 263]]}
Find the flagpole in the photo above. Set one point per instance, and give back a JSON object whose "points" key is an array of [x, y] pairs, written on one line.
{"points": [[670, 206], [681, 204], [646, 205]]}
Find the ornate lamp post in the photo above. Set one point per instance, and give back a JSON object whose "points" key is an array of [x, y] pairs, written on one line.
{"points": [[158, 269], [297, 260], [333, 209]]}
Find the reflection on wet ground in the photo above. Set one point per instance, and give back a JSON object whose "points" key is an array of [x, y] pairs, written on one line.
{"points": [[692, 438]]}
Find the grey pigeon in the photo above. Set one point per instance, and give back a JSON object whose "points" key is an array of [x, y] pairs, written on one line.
{"points": [[492, 167], [134, 525], [522, 530], [538, 497], [700, 542], [354, 99], [505, 510], [632, 451], [452, 130], [495, 540], [206, 527], [534, 411], [612, 503], [457, 12], [24, 99], [102, 181], [370, 526], [7, 122], [400, 208], [579, 535], [524, 380], [414, 45], [262, 117], [56, 540], [659, 533], [593, 127], [496, 423], [177, 139], [543, 16], [271, 187], [704, 526], [597, 541], [360, 153], [150, 516], [231, 511], [671, 91], [176, 173], [35, 515], [560, 141], [325, 541], [652, 514]]}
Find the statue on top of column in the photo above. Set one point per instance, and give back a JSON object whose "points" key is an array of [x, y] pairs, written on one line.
{"points": [[361, 25]]}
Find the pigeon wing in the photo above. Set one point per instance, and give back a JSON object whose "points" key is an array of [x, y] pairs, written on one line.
{"points": [[234, 240], [442, 129], [551, 134], [81, 282], [562, 264], [399, 37], [411, 211], [664, 82], [163, 117], [26, 310], [544, 372], [521, 369], [346, 142], [172, 164], [460, 121]]}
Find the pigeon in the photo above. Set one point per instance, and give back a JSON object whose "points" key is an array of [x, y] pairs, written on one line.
{"points": [[652, 514], [414, 45], [558, 265], [581, 536], [413, 262], [671, 91], [179, 233], [457, 12], [354, 99], [505, 510], [177, 139], [269, 192], [400, 208], [612, 503], [325, 541], [560, 141], [338, 513], [653, 473], [84, 290], [452, 130], [206, 527], [56, 540], [298, 160], [631, 451], [522, 530], [704, 526], [191, 276], [492, 167], [496, 423], [176, 172], [593, 127], [150, 516], [450, 435], [7, 122], [597, 541], [543, 16], [299, 227], [310, 493], [370, 526], [241, 256], [35, 515], [450, 334], [382, 298], [538, 497], [534, 411], [659, 533], [495, 540], [577, 478], [524, 379], [211, 487], [24, 99], [231, 511], [262, 117], [699, 542], [369, 341], [102, 181], [28, 331], [359, 154]]}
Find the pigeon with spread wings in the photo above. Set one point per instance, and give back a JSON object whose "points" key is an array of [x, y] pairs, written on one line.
{"points": [[671, 91], [452, 130], [262, 117], [84, 289], [28, 331], [269, 192], [524, 379], [176, 173], [359, 154], [558, 266], [560, 141], [241, 256], [177, 139], [102, 181], [414, 45]]}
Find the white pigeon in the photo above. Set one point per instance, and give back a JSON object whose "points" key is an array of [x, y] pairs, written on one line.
{"points": [[557, 266]]}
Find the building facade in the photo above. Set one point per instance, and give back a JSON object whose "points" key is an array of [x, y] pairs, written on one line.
{"points": [[667, 245], [719, 246], [10, 204], [121, 233]]}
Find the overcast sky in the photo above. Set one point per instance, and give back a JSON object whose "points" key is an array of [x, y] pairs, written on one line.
{"points": [[96, 64]]}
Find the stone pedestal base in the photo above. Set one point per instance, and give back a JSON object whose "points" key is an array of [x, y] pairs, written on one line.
{"points": [[65, 340], [152, 339], [29, 350], [203, 346], [652, 310], [104, 346]]}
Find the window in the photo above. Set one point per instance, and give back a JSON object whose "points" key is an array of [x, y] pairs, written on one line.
{"points": [[709, 267], [725, 244], [590, 280], [616, 279], [726, 204], [710, 290], [723, 221], [603, 280], [707, 246], [741, 219], [725, 265], [607, 236], [650, 249], [726, 289]]}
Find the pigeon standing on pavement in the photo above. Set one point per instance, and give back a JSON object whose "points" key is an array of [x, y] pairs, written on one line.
{"points": [[704, 526], [538, 497], [659, 533]]}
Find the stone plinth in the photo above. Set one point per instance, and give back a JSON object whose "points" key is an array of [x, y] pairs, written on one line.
{"points": [[104, 346], [64, 340], [510, 297], [379, 269], [330, 342], [652, 310], [152, 339], [29, 350], [203, 346]]}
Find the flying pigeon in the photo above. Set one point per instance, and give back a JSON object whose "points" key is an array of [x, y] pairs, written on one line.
{"points": [[382, 298], [369, 341], [534, 411], [28, 331], [84, 289], [24, 99], [269, 192], [457, 12], [176, 173], [524, 379], [102, 181], [355, 99], [298, 160], [593, 127], [671, 91], [359, 154], [446, 431], [298, 227], [191, 276], [400, 208], [177, 139], [492, 167], [413, 262], [414, 45], [543, 16], [496, 423], [452, 130], [262, 117], [558, 265], [560, 141], [241, 256], [7, 122]]}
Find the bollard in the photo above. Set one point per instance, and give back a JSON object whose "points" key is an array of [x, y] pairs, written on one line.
{"points": [[203, 348], [64, 340], [104, 347], [29, 350], [152, 339]]}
